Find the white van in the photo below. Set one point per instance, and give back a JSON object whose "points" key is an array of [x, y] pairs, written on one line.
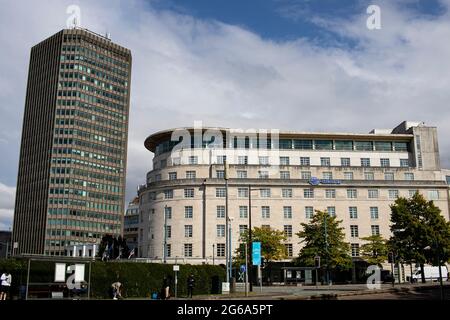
{"points": [[431, 274]]}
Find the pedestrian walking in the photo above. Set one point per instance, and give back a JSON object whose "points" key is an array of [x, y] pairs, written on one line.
{"points": [[116, 290], [5, 287], [165, 290], [190, 285]]}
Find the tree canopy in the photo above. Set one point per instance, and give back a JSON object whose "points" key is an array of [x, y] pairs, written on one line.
{"points": [[330, 245], [272, 246], [419, 231], [375, 250]]}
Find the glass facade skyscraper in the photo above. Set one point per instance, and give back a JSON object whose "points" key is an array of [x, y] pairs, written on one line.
{"points": [[71, 180]]}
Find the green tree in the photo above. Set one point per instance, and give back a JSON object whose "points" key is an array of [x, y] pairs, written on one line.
{"points": [[419, 232], [375, 251], [272, 246], [330, 245]]}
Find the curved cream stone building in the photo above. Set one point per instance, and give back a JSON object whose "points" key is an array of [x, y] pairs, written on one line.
{"points": [[290, 174]]}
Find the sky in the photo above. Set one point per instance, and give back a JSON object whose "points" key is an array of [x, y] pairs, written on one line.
{"points": [[310, 65]]}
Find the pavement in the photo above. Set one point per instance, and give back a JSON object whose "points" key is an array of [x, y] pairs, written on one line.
{"points": [[338, 292]]}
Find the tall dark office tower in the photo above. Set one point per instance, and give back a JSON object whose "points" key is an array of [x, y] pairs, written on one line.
{"points": [[73, 155]]}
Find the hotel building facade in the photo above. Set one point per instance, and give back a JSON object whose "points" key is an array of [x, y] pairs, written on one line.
{"points": [[73, 154], [355, 177]]}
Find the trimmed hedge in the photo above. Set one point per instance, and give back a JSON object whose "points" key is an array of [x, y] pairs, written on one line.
{"points": [[138, 279]]}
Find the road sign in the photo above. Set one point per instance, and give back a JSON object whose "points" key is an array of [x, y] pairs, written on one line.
{"points": [[256, 253], [242, 268], [176, 267]]}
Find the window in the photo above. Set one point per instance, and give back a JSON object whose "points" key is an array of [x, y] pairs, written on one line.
{"points": [[221, 159], [221, 192], [172, 176], [308, 193], [409, 176], [243, 212], [309, 212], [263, 174], [220, 250], [243, 192], [325, 162], [286, 193], [303, 144], [343, 145], [385, 163], [352, 193], [265, 212], [288, 231], [345, 162], [306, 175], [289, 250], [327, 175], [220, 212], [355, 250], [323, 144], [373, 193], [411, 193], [287, 212], [404, 163], [220, 174], [188, 249], [264, 193], [188, 212], [168, 212], [264, 160], [220, 230], [383, 146], [241, 174], [158, 177], [354, 231], [363, 146], [163, 163], [393, 194], [305, 161], [375, 230], [189, 193], [365, 162], [176, 161], [284, 161], [242, 160], [348, 175], [285, 175], [242, 229], [374, 213], [389, 176], [285, 144], [330, 193], [193, 160], [168, 231], [401, 146], [190, 175], [168, 194], [168, 250], [353, 211], [368, 176], [433, 195], [331, 211], [188, 231]]}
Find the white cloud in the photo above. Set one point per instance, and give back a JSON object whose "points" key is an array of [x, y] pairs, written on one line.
{"points": [[185, 69], [7, 195]]}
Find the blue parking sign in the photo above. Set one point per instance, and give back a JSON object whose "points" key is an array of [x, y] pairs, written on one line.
{"points": [[256, 253], [242, 267]]}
